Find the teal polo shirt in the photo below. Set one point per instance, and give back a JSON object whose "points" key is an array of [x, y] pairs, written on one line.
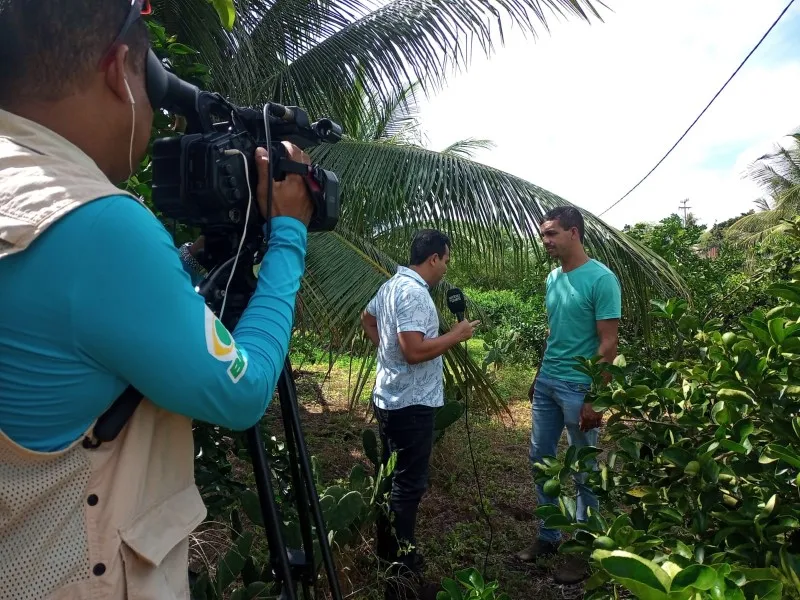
{"points": [[575, 301]]}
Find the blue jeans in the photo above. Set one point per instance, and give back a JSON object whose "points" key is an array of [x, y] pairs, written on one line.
{"points": [[557, 403]]}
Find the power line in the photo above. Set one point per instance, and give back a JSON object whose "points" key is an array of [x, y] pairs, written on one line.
{"points": [[780, 16]]}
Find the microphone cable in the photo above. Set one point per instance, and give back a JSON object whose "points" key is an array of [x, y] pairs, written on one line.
{"points": [[474, 463]]}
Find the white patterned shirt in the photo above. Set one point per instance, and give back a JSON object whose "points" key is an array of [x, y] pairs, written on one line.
{"points": [[404, 304]]}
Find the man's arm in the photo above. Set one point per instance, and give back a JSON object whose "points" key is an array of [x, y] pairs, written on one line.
{"points": [[532, 389], [413, 315], [608, 310], [136, 314], [369, 323], [608, 333], [416, 348]]}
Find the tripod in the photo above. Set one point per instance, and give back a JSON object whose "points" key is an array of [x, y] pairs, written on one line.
{"points": [[291, 566]]}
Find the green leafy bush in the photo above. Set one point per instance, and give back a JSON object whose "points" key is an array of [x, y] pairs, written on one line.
{"points": [[723, 287], [699, 497], [474, 587], [516, 328]]}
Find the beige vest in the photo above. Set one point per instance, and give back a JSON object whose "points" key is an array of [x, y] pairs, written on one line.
{"points": [[82, 523]]}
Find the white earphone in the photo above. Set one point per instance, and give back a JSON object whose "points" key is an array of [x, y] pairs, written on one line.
{"points": [[130, 94], [133, 125]]}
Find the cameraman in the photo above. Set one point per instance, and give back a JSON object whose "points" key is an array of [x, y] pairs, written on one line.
{"points": [[94, 298]]}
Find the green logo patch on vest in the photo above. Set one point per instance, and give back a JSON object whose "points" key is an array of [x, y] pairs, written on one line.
{"points": [[220, 345]]}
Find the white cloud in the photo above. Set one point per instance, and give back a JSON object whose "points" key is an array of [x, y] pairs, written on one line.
{"points": [[586, 111]]}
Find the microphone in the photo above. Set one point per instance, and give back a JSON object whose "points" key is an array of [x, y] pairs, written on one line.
{"points": [[456, 303]]}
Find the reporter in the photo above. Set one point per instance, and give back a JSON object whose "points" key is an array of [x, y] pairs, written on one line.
{"points": [[402, 321], [95, 298]]}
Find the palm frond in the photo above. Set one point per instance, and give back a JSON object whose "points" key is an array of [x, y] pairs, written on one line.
{"points": [[267, 35], [768, 224], [394, 120], [309, 52], [467, 148], [343, 273], [778, 174], [399, 118], [393, 188], [763, 203], [334, 302], [410, 40]]}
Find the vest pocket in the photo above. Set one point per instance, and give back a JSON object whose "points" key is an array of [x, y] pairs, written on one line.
{"points": [[155, 547]]}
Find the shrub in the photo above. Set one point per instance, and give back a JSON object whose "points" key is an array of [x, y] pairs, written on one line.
{"points": [[475, 588], [516, 329]]}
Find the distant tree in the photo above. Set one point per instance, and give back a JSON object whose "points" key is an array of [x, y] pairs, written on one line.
{"points": [[778, 174]]}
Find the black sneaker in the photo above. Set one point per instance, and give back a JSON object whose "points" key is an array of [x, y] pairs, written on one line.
{"points": [[429, 591]]}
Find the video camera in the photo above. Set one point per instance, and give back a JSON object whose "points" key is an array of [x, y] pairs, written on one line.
{"points": [[207, 177]]}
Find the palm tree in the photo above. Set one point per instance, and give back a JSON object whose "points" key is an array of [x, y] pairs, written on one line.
{"points": [[310, 52], [363, 65], [778, 174], [418, 187]]}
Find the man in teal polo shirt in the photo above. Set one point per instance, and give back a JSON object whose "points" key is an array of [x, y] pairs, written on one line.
{"points": [[583, 301]]}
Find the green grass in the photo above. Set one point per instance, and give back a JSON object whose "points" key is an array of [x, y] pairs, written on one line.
{"points": [[511, 382]]}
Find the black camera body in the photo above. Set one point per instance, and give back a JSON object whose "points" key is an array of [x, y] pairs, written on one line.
{"points": [[207, 177], [201, 179]]}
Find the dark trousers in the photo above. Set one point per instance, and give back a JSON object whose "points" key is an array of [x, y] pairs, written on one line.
{"points": [[409, 432]]}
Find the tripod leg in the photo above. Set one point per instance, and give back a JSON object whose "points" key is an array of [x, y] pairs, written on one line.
{"points": [[286, 390], [308, 477], [269, 513]]}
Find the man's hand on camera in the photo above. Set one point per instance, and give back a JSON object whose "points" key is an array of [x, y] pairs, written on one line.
{"points": [[290, 197]]}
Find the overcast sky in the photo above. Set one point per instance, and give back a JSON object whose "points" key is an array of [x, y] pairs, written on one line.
{"points": [[587, 110]]}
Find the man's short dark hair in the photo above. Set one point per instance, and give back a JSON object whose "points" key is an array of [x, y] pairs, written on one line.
{"points": [[567, 216], [426, 243], [48, 48]]}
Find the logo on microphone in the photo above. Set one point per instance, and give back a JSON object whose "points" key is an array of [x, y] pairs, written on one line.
{"points": [[456, 303]]}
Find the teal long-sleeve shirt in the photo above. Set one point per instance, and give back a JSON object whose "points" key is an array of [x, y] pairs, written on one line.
{"points": [[101, 300]]}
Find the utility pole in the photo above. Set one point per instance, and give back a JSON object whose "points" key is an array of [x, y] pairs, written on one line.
{"points": [[685, 210]]}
